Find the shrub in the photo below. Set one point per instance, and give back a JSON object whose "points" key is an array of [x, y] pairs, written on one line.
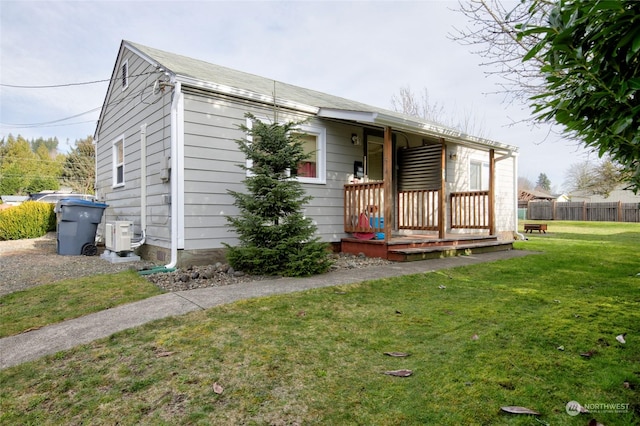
{"points": [[28, 220], [275, 236]]}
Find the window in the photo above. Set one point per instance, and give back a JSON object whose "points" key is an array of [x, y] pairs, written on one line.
{"points": [[125, 75], [478, 176], [313, 169], [118, 162]]}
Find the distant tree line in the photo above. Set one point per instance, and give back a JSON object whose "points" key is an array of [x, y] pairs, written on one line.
{"points": [[37, 165]]}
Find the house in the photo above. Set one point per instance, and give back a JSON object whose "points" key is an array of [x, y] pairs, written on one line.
{"points": [[166, 157], [619, 194]]}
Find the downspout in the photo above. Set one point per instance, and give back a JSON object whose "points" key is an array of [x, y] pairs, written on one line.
{"points": [[143, 187], [515, 195], [175, 104]]}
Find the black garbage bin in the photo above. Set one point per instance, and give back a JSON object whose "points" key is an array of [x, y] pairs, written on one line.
{"points": [[77, 223]]}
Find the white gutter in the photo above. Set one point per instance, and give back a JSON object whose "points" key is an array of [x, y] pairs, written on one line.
{"points": [[246, 94], [414, 126], [175, 109]]}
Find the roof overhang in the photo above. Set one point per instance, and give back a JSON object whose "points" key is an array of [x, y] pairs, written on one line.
{"points": [[416, 126]]}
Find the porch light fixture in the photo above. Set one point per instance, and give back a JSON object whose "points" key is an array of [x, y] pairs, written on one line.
{"points": [[453, 155]]}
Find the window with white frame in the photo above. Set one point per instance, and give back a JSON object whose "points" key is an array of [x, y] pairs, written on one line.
{"points": [[124, 70], [478, 176], [118, 162], [313, 169]]}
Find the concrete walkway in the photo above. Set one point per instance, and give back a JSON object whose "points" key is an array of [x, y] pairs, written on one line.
{"points": [[34, 344]]}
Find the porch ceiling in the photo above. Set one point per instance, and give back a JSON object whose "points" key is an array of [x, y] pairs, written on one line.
{"points": [[417, 126]]}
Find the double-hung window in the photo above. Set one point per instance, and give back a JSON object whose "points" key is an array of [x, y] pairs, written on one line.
{"points": [[118, 162]]}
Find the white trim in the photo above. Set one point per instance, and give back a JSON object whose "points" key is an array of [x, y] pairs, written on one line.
{"points": [[321, 153], [414, 125], [115, 164]]}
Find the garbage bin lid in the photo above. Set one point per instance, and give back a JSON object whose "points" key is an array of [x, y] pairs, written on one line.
{"points": [[80, 202]]}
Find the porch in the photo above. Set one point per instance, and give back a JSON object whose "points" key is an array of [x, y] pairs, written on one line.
{"points": [[423, 224]]}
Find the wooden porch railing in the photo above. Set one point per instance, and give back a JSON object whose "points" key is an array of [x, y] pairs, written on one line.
{"points": [[470, 210], [418, 210], [364, 207]]}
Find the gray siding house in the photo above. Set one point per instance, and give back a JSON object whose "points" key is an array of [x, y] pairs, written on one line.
{"points": [[166, 157]]}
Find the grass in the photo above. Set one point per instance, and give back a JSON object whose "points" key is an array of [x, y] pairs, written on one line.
{"points": [[47, 304], [317, 357]]}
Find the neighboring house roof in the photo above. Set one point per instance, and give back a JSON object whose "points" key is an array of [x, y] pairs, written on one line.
{"points": [[219, 79], [532, 194]]}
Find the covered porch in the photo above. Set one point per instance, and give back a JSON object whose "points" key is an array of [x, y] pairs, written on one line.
{"points": [[411, 215]]}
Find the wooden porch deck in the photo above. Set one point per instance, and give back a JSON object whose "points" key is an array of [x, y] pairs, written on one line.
{"points": [[405, 248]]}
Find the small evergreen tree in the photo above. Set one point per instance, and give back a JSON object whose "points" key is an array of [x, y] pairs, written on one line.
{"points": [[543, 182], [275, 236]]}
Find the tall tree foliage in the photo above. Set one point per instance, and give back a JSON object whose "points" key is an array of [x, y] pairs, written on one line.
{"points": [[581, 67], [543, 182], [78, 171], [23, 171], [408, 102], [591, 55], [594, 178], [275, 236]]}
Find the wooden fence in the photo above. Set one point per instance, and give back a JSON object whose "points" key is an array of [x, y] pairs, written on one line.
{"points": [[585, 211]]}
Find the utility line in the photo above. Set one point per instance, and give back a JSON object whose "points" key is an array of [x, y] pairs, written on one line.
{"points": [[84, 83], [55, 122]]}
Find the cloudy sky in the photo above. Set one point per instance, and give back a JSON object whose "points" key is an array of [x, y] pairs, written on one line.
{"points": [[361, 50]]}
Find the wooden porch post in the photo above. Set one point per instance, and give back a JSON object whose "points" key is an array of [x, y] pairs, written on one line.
{"points": [[492, 196], [387, 173], [442, 199]]}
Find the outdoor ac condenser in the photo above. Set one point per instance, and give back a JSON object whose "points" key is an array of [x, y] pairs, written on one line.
{"points": [[118, 236]]}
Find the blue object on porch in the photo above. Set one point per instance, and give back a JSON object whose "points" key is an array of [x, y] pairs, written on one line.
{"points": [[377, 222]]}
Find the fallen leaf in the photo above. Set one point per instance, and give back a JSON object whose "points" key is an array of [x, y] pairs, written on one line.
{"points": [[163, 354], [514, 409], [620, 338], [587, 354], [475, 337], [442, 287], [399, 373], [397, 354], [302, 313], [31, 329], [217, 388]]}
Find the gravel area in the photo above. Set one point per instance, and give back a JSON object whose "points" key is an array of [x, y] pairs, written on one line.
{"points": [[33, 262]]}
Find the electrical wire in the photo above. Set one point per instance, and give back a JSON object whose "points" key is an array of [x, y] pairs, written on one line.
{"points": [[54, 123], [84, 83]]}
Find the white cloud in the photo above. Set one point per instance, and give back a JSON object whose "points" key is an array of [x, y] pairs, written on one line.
{"points": [[359, 50]]}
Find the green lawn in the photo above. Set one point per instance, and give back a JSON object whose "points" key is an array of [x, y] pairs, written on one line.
{"points": [[47, 304], [497, 334]]}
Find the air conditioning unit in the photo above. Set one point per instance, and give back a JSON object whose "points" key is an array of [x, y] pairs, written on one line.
{"points": [[117, 236]]}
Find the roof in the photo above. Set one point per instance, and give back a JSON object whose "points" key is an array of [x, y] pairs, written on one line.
{"points": [[216, 78], [532, 194]]}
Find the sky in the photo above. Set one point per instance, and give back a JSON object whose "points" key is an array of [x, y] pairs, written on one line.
{"points": [[361, 50]]}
